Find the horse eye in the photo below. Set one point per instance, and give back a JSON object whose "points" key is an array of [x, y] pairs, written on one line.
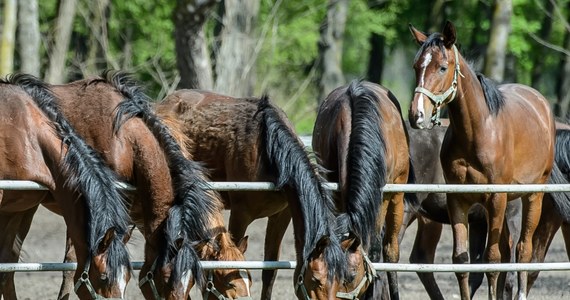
{"points": [[230, 285], [442, 69], [104, 277]]}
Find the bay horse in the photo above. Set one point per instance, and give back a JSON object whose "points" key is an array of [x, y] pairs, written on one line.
{"points": [[360, 138], [250, 139], [39, 144], [432, 212], [489, 125], [171, 205]]}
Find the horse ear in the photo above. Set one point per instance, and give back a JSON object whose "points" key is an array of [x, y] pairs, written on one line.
{"points": [[418, 35], [351, 243], [106, 241], [449, 34], [322, 244], [242, 244]]}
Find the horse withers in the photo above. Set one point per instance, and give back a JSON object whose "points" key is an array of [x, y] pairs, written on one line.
{"points": [[497, 135]]}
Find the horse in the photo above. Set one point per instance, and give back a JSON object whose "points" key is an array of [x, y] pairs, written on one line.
{"points": [[40, 145], [432, 212], [171, 205], [489, 125], [360, 138], [250, 139]]}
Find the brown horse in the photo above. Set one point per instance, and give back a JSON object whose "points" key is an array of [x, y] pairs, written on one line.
{"points": [[171, 205], [39, 144], [252, 140], [360, 138], [501, 134]]}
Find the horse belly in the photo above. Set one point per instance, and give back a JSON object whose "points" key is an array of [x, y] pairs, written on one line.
{"points": [[16, 201]]}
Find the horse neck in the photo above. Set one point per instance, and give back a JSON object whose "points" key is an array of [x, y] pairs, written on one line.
{"points": [[468, 111]]}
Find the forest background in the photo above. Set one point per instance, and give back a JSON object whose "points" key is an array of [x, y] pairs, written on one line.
{"points": [[295, 51]]}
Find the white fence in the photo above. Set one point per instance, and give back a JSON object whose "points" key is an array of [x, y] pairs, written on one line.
{"points": [[268, 186]]}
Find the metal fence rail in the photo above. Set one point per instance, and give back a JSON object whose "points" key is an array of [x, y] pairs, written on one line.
{"points": [[268, 186], [266, 265]]}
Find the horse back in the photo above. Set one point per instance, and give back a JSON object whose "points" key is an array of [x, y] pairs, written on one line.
{"points": [[221, 132]]}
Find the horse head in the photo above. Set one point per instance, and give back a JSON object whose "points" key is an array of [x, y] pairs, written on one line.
{"points": [[436, 66], [225, 284]]}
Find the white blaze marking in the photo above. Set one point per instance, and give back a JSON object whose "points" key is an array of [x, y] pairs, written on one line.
{"points": [[425, 64], [243, 274], [185, 280], [122, 281]]}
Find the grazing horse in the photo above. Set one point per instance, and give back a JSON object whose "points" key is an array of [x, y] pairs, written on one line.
{"points": [[489, 128], [40, 145], [171, 206], [359, 136], [252, 140]]}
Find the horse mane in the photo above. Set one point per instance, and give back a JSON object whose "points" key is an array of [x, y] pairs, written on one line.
{"points": [[493, 97], [194, 206], [285, 154], [366, 161], [87, 172]]}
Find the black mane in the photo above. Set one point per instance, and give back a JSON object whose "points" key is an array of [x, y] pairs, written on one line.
{"points": [[87, 172], [366, 161], [285, 154], [189, 218], [493, 97]]}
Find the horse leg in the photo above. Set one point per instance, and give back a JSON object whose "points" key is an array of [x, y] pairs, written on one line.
{"points": [[276, 227], [532, 208], [496, 207], [423, 252], [477, 244], [14, 228], [566, 235], [391, 250], [67, 281], [543, 236], [512, 233], [457, 210]]}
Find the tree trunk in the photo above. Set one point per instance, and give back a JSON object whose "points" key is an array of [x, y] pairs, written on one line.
{"points": [[563, 80], [496, 51], [236, 58], [29, 37], [539, 54], [330, 48], [377, 45], [63, 28], [8, 38], [98, 45], [192, 56], [436, 16]]}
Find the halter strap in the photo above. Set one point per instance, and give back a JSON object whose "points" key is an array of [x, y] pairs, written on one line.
{"points": [[440, 99], [369, 276], [149, 277], [211, 289], [84, 280], [300, 285]]}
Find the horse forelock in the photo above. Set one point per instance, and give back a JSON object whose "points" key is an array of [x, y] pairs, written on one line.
{"points": [[366, 161], [433, 40]]}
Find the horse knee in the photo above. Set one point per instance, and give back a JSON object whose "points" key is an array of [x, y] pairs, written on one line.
{"points": [[524, 251]]}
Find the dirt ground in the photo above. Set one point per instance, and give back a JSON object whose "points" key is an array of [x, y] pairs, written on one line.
{"points": [[45, 243]]}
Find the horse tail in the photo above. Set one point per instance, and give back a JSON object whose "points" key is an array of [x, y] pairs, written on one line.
{"points": [[194, 206], [561, 173], [366, 161], [286, 155], [87, 172]]}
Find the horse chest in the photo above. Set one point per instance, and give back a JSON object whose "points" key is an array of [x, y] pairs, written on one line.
{"points": [[479, 167]]}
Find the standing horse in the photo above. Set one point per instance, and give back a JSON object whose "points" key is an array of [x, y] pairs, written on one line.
{"points": [[252, 140], [360, 138], [39, 144], [496, 135], [171, 206]]}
